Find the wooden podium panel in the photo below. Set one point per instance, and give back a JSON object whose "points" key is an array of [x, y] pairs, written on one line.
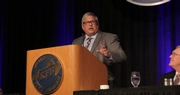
{"points": [[81, 70]]}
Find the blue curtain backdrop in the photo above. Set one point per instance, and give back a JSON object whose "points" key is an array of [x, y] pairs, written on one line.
{"points": [[164, 38], [147, 34], [1, 38], [64, 22]]}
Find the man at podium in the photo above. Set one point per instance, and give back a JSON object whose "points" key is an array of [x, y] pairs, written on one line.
{"points": [[105, 46]]}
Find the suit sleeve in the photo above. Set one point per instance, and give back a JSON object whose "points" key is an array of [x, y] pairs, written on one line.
{"points": [[114, 47]]}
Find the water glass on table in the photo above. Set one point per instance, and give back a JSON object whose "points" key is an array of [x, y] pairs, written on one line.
{"points": [[135, 78]]}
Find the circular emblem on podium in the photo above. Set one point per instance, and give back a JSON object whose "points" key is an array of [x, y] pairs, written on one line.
{"points": [[47, 74]]}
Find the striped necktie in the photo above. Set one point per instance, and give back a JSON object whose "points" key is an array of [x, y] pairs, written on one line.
{"points": [[88, 42], [177, 79]]}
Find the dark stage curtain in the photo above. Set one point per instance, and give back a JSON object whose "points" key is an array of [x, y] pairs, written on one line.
{"points": [[147, 34]]}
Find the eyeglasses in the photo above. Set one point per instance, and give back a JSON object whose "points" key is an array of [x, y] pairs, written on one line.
{"points": [[175, 54], [90, 22]]}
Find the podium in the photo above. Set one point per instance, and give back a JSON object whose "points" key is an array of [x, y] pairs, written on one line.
{"points": [[81, 70]]}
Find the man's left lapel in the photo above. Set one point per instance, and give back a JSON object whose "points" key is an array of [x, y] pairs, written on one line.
{"points": [[96, 41]]}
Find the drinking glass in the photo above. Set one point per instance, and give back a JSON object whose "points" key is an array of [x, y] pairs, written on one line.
{"points": [[168, 82], [135, 78]]}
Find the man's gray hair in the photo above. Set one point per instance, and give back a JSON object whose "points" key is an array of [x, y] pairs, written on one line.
{"points": [[89, 14], [178, 46]]}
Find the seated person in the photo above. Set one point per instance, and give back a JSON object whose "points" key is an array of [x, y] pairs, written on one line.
{"points": [[175, 64]]}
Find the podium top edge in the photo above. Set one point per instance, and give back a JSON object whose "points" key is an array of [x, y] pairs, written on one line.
{"points": [[71, 45]]}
